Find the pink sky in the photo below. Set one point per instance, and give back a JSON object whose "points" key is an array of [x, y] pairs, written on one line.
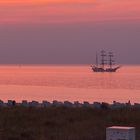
{"points": [[68, 11], [68, 31]]}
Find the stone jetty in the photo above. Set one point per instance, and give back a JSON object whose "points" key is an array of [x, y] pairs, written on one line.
{"points": [[55, 103]]}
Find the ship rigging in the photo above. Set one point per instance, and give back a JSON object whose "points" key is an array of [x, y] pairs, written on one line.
{"points": [[107, 65]]}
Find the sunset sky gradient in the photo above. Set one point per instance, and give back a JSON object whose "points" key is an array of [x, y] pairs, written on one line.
{"points": [[58, 29], [68, 11]]}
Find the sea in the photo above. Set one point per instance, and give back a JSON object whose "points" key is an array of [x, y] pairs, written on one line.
{"points": [[68, 83]]}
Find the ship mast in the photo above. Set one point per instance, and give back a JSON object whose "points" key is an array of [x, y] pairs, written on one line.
{"points": [[110, 59], [96, 59], [103, 55]]}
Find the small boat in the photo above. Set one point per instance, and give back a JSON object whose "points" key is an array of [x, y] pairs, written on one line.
{"points": [[106, 65]]}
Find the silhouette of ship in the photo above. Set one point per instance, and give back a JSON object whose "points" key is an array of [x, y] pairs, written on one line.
{"points": [[106, 65]]}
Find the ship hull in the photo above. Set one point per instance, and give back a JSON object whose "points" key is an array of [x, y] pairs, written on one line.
{"points": [[97, 69]]}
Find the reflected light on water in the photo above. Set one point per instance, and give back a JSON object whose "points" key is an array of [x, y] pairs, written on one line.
{"points": [[69, 83]]}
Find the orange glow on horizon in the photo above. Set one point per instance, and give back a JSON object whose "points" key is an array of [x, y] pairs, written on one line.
{"points": [[67, 11], [43, 1]]}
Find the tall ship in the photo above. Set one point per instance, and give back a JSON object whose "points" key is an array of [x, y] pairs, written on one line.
{"points": [[107, 63]]}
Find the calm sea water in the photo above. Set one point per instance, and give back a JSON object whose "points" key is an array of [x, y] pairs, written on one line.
{"points": [[52, 82]]}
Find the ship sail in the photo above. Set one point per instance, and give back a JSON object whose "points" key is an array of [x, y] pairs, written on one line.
{"points": [[111, 61], [103, 61]]}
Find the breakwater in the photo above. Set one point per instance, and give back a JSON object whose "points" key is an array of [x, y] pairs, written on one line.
{"points": [[55, 103]]}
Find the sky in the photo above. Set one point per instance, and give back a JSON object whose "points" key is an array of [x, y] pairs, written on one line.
{"points": [[68, 31]]}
